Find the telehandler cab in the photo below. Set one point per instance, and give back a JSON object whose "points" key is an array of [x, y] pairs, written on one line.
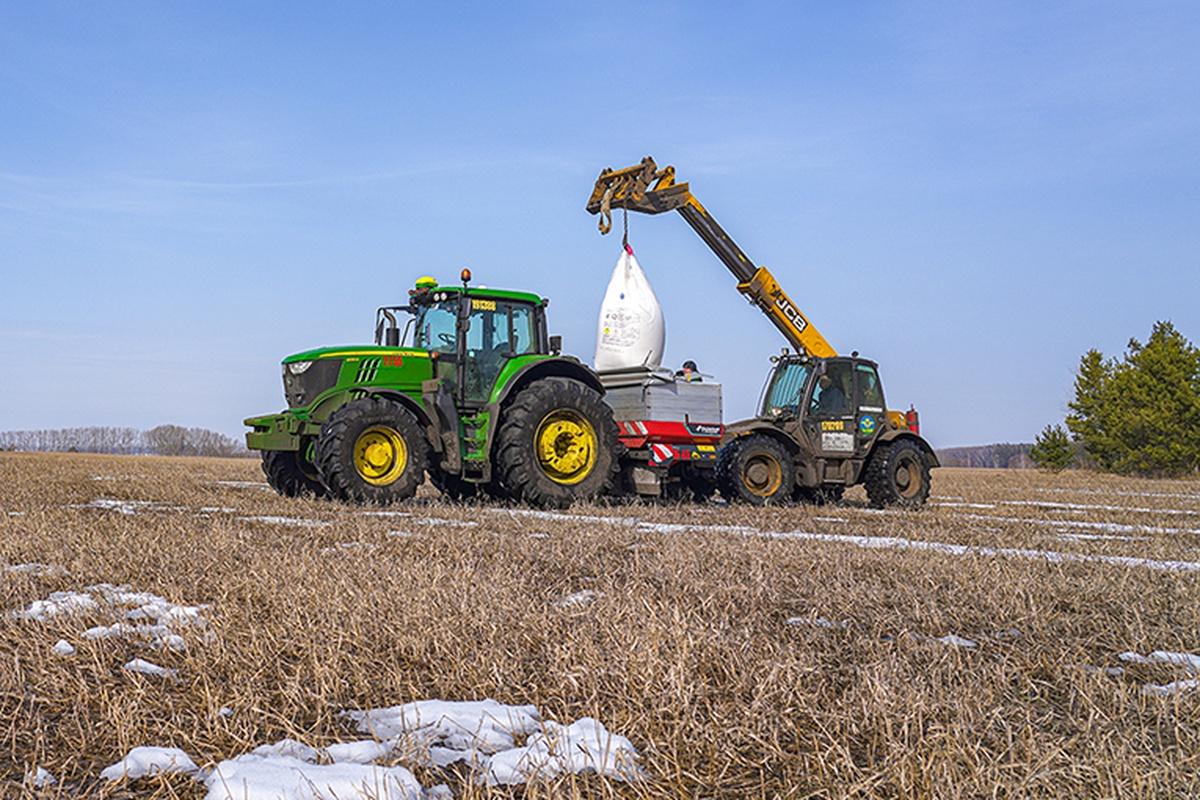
{"points": [[823, 424]]}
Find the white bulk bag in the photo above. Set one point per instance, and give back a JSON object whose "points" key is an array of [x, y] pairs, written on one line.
{"points": [[632, 331]]}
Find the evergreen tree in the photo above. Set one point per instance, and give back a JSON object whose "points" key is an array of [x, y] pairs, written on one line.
{"points": [[1052, 449], [1141, 414]]}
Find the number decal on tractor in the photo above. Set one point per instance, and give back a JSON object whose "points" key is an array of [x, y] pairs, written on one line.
{"points": [[483, 305], [833, 425]]}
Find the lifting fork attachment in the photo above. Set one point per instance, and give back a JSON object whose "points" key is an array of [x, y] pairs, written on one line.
{"points": [[647, 189]]}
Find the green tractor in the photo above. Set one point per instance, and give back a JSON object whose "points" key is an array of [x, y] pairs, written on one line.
{"points": [[472, 390]]}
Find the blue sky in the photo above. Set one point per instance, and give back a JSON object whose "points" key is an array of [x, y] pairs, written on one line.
{"points": [[972, 194]]}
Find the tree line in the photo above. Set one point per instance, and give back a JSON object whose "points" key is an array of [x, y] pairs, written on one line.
{"points": [[163, 440], [1134, 415]]}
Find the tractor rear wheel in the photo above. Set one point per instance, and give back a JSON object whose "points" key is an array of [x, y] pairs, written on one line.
{"points": [[372, 450], [897, 475], [557, 444], [755, 469], [292, 475]]}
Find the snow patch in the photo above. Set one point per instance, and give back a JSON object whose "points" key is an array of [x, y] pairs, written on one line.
{"points": [[1100, 507], [365, 751], [1188, 661], [404, 535], [1100, 537], [127, 507], [1114, 527], [143, 761], [147, 668], [484, 725], [39, 778], [963, 505], [255, 777], [36, 569], [583, 746], [135, 615], [580, 599], [295, 522], [453, 523], [56, 605], [63, 648], [818, 622], [1174, 687], [287, 748], [243, 485], [955, 641]]}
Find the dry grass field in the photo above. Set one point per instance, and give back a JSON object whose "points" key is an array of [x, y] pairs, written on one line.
{"points": [[796, 652]]}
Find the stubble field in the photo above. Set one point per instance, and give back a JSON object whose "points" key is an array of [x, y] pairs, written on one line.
{"points": [[1025, 635]]}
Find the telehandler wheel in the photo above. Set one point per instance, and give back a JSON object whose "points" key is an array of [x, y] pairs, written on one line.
{"points": [[292, 475], [557, 444], [755, 469], [897, 475], [819, 496], [372, 450]]}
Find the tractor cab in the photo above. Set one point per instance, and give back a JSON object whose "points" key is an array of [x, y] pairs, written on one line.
{"points": [[471, 333]]}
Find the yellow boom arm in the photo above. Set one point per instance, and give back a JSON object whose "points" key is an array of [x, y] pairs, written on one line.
{"points": [[647, 189]]}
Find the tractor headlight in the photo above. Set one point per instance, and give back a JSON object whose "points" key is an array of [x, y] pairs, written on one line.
{"points": [[298, 367]]}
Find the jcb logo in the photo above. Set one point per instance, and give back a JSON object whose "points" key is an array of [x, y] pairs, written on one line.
{"points": [[790, 312]]}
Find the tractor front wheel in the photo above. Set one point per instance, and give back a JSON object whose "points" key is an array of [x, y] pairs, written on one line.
{"points": [[755, 469], [291, 474], [372, 450], [897, 475], [557, 444]]}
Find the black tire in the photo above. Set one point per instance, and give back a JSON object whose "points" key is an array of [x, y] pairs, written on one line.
{"points": [[372, 422], [830, 493], [897, 475], [755, 469], [535, 411], [291, 475]]}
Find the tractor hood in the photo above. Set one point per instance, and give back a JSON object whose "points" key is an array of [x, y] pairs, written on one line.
{"points": [[351, 350]]}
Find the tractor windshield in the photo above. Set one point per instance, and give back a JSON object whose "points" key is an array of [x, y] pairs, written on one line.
{"points": [[437, 327], [786, 389]]}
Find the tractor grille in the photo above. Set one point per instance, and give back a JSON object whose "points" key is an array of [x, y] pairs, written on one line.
{"points": [[300, 390]]}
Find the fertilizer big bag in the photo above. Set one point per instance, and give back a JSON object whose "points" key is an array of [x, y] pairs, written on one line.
{"points": [[632, 331]]}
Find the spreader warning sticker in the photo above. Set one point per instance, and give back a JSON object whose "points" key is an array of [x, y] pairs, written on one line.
{"points": [[837, 442]]}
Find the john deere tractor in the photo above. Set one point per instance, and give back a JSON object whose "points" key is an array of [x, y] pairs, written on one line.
{"points": [[472, 390]]}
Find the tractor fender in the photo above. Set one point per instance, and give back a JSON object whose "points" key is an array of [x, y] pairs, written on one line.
{"points": [[557, 367], [321, 412], [894, 435], [416, 408]]}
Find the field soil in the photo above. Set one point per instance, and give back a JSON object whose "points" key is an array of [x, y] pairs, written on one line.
{"points": [[997, 644]]}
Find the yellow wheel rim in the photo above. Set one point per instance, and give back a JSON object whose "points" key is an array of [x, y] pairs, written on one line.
{"points": [[566, 446], [380, 455], [762, 475]]}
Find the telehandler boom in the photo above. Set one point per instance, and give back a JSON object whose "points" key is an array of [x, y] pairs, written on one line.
{"points": [[823, 424], [650, 190]]}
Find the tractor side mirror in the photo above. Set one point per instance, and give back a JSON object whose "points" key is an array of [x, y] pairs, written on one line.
{"points": [[556, 344]]}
